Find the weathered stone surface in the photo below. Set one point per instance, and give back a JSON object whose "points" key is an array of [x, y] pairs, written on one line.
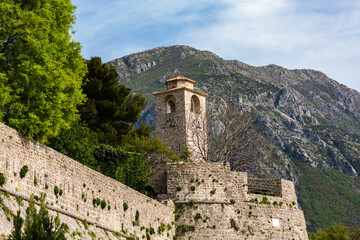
{"points": [[79, 185], [177, 124]]}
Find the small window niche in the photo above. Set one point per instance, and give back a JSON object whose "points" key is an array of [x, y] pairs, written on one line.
{"points": [[170, 104], [275, 222], [195, 104]]}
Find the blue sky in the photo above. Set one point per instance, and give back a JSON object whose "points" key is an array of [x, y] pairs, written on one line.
{"points": [[322, 35]]}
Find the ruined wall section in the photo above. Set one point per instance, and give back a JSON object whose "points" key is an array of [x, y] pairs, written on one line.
{"points": [[265, 186], [214, 203], [276, 190], [241, 220], [199, 182], [77, 186]]}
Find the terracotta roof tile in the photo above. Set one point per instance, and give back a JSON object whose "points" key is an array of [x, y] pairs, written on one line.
{"points": [[179, 78], [182, 88]]}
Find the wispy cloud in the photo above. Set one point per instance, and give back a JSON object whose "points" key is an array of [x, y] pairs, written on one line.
{"points": [[322, 35], [294, 34]]}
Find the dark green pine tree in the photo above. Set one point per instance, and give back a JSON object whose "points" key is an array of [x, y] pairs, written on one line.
{"points": [[111, 109]]}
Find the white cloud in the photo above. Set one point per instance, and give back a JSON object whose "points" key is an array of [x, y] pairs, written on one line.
{"points": [[287, 33], [322, 35]]}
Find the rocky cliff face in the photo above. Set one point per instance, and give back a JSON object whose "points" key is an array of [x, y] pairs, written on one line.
{"points": [[312, 120]]}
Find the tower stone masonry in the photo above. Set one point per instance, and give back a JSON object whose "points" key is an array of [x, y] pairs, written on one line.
{"points": [[180, 113]]}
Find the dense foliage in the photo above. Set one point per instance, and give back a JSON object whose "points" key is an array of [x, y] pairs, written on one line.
{"points": [[77, 143], [326, 197], [111, 109], [336, 232], [129, 168], [41, 68], [38, 225]]}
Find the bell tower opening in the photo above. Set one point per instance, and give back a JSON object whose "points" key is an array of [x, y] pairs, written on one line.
{"points": [[195, 104], [170, 104]]}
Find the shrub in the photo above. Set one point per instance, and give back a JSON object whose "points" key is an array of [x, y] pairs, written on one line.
{"points": [[212, 192], [77, 142], [265, 200], [137, 215], [336, 231], [102, 204], [132, 169], [23, 171], [192, 188], [198, 216], [56, 190], [2, 179], [254, 200], [178, 189], [181, 229], [233, 225], [232, 201], [38, 225], [35, 181], [125, 206], [96, 202], [161, 228]]}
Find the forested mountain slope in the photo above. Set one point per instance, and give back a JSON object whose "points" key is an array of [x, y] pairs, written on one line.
{"points": [[312, 121]]}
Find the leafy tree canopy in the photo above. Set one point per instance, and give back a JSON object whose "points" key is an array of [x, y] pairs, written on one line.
{"points": [[336, 232], [111, 109], [132, 169], [77, 143], [41, 68]]}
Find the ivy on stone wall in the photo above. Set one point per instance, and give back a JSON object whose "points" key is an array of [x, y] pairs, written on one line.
{"points": [[129, 168], [2, 179]]}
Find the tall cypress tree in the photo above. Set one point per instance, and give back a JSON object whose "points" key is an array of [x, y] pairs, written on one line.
{"points": [[111, 109]]}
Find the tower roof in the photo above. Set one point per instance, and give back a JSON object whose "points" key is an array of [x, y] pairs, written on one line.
{"points": [[180, 83], [181, 78]]}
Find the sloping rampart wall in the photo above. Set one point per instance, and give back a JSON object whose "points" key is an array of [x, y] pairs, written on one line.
{"points": [[79, 185]]}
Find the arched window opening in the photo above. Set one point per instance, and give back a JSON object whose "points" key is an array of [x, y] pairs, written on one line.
{"points": [[170, 106], [195, 104]]}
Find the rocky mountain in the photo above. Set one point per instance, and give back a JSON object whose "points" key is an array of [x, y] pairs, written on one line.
{"points": [[312, 121]]}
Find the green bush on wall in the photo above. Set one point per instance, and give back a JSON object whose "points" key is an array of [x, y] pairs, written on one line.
{"points": [[102, 204], [125, 206], [2, 179], [56, 190], [23, 171]]}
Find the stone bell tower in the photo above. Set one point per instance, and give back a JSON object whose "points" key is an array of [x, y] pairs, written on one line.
{"points": [[180, 117]]}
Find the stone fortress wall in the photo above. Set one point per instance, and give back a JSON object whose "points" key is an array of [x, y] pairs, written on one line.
{"points": [[219, 204], [79, 185]]}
